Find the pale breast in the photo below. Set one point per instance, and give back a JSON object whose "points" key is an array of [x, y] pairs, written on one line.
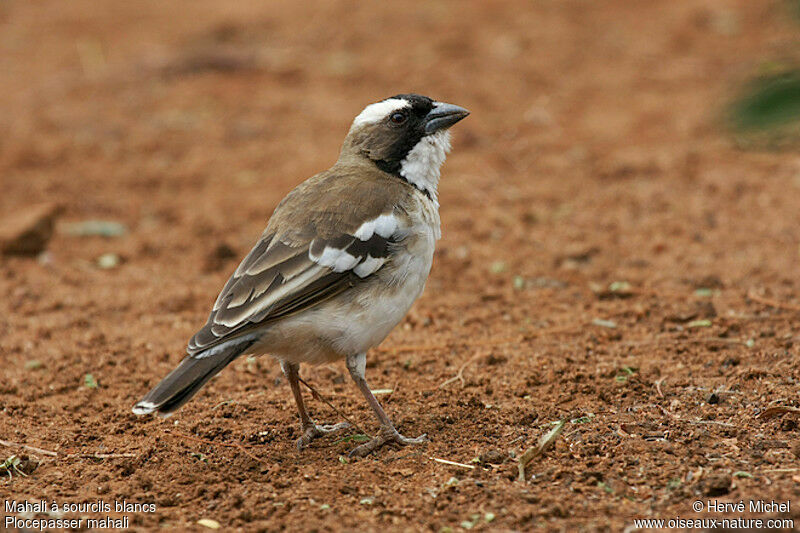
{"points": [[361, 318]]}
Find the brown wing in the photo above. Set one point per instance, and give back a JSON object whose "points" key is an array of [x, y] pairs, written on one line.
{"points": [[329, 234]]}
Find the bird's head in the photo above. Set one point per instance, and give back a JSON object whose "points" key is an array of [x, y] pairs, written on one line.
{"points": [[405, 135]]}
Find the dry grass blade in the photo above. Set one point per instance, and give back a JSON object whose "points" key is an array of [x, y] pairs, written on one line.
{"points": [[772, 303], [103, 455], [658, 387], [33, 449], [452, 463], [49, 453], [544, 443], [777, 410]]}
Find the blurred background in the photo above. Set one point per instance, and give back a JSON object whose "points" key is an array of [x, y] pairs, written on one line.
{"points": [[629, 168], [198, 117]]}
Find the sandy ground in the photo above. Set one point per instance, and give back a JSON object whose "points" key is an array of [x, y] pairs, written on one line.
{"points": [[610, 258]]}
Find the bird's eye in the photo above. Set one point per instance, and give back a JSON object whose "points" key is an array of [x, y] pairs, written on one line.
{"points": [[398, 118]]}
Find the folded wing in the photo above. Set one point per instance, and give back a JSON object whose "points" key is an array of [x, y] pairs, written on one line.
{"points": [[277, 278]]}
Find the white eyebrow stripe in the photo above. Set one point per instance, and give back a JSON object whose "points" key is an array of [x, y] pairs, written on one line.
{"points": [[379, 110]]}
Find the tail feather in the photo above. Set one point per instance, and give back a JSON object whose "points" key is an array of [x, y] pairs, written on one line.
{"points": [[191, 374]]}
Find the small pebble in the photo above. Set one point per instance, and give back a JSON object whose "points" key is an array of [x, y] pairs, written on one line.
{"points": [[107, 261]]}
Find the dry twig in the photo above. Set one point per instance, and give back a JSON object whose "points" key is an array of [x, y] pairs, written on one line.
{"points": [[772, 303], [319, 397], [33, 449], [102, 455], [460, 375], [777, 410], [49, 453]]}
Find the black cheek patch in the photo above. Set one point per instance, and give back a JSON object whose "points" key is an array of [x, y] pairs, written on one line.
{"points": [[407, 139], [390, 167]]}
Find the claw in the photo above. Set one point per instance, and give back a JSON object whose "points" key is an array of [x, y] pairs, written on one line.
{"points": [[386, 436], [312, 431]]}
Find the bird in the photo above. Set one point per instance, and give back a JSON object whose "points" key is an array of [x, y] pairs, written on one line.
{"points": [[343, 257]]}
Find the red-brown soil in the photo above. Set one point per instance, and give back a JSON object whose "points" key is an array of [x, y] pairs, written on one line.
{"points": [[593, 185]]}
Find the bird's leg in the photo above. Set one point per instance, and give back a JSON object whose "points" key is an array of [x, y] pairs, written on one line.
{"points": [[309, 428], [356, 365]]}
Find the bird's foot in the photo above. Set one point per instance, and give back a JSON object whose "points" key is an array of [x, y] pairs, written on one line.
{"points": [[312, 431], [387, 435]]}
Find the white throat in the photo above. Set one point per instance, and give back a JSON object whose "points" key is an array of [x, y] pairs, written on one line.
{"points": [[422, 166]]}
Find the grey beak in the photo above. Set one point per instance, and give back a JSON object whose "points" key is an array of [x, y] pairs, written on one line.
{"points": [[443, 116]]}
